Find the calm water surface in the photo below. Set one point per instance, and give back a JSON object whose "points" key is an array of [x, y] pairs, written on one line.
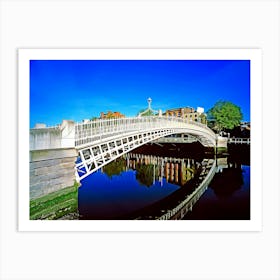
{"points": [[151, 178], [227, 198]]}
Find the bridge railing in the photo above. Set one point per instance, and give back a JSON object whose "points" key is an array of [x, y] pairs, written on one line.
{"points": [[239, 140], [95, 130]]}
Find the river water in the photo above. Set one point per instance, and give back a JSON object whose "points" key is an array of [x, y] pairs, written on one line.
{"points": [[147, 182]]}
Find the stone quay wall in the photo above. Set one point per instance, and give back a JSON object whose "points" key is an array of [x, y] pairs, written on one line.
{"points": [[52, 158], [51, 170]]}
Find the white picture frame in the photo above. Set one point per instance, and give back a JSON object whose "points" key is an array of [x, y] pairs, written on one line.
{"points": [[255, 57]]}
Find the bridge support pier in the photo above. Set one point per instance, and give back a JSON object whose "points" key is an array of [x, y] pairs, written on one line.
{"points": [[221, 145]]}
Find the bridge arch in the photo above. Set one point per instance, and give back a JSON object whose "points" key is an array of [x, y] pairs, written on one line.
{"points": [[101, 141]]}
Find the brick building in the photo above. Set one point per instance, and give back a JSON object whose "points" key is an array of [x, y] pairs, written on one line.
{"points": [[187, 113], [110, 115]]}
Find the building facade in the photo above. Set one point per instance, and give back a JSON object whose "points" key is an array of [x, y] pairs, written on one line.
{"points": [[188, 113], [110, 115]]}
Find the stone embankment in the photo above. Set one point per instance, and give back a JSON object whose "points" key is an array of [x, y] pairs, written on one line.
{"points": [[53, 189]]}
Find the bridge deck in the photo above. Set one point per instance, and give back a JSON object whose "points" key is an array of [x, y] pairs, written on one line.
{"points": [[100, 142]]}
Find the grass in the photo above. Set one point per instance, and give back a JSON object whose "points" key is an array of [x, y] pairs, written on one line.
{"points": [[221, 150], [55, 205]]}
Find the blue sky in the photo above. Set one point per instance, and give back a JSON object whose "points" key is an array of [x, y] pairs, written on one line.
{"points": [[81, 89]]}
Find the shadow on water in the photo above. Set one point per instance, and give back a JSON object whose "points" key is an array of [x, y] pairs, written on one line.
{"points": [[234, 181], [228, 195], [194, 150], [153, 178]]}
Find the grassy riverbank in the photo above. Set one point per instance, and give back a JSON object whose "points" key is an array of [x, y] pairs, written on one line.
{"points": [[56, 205]]}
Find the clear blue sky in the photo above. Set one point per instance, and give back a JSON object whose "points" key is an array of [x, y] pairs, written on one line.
{"points": [[81, 89]]}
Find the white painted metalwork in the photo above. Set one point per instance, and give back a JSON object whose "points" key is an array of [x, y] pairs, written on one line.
{"points": [[102, 141], [239, 141], [177, 140]]}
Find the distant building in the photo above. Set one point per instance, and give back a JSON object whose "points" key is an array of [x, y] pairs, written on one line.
{"points": [[110, 115], [40, 125], [188, 113], [245, 126], [200, 110]]}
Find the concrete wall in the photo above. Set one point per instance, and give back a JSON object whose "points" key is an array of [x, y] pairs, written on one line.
{"points": [[222, 142], [44, 138], [51, 170], [62, 136]]}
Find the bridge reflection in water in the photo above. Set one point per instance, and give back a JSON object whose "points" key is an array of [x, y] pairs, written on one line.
{"points": [[139, 186]]}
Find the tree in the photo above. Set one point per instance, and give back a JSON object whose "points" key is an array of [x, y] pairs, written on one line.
{"points": [[225, 115], [145, 174], [203, 118], [146, 113], [115, 167]]}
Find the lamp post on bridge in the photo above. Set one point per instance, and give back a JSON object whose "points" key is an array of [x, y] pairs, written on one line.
{"points": [[149, 109], [149, 103]]}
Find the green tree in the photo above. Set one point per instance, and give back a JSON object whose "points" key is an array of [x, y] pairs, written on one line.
{"points": [[145, 174], [203, 118], [225, 115], [146, 113], [115, 167]]}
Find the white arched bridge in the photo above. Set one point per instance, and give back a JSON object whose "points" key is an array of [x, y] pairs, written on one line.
{"points": [[102, 141]]}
